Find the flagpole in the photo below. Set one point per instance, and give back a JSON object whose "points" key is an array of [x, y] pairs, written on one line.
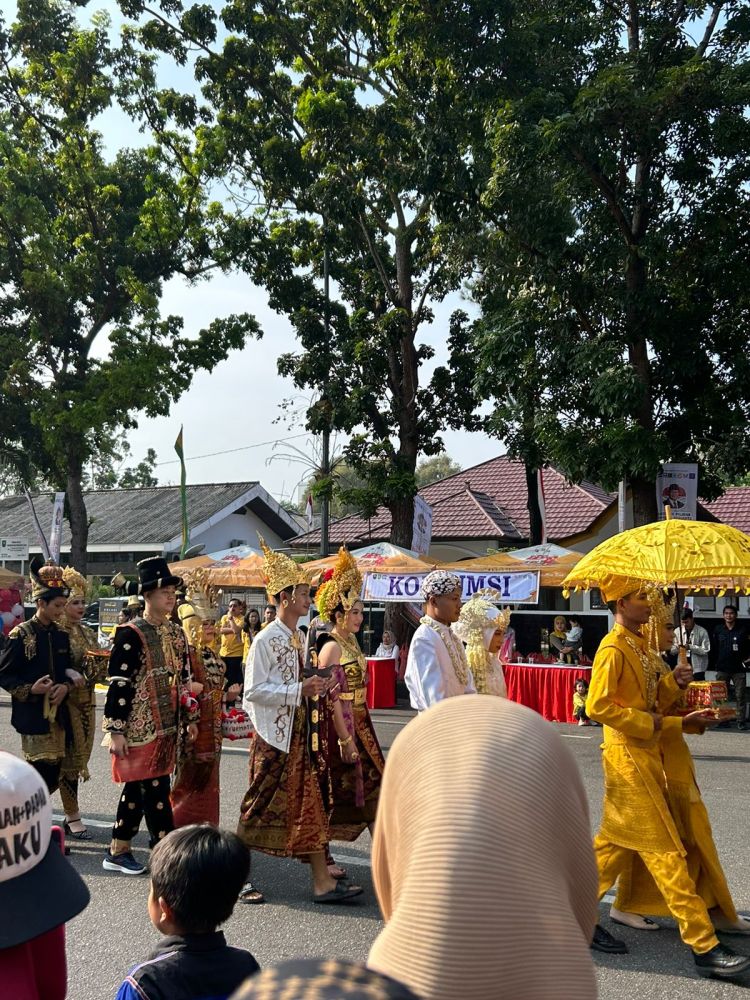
{"points": [[178, 447]]}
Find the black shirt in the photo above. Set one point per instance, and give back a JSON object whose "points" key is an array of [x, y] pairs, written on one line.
{"points": [[190, 967], [729, 647]]}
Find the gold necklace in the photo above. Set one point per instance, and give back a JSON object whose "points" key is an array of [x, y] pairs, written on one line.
{"points": [[651, 671], [457, 659]]}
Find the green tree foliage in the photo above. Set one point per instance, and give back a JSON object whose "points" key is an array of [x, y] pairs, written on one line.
{"points": [[608, 192], [86, 244], [430, 470], [312, 119], [107, 470]]}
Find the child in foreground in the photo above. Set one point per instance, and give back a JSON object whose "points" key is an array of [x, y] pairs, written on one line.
{"points": [[196, 876], [579, 703]]}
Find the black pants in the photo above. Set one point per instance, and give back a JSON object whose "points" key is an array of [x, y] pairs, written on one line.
{"points": [[234, 674], [580, 715], [50, 771], [144, 798], [740, 685]]}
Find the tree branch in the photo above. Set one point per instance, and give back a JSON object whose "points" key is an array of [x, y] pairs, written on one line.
{"points": [[700, 50]]}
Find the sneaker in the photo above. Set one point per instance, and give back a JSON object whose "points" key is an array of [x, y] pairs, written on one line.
{"points": [[124, 863], [721, 962], [581, 722], [603, 941]]}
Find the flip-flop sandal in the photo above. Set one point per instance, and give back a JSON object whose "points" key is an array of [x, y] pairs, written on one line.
{"points": [[76, 834], [250, 895], [343, 893]]}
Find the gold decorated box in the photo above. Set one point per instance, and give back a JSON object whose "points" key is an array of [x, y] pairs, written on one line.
{"points": [[709, 696]]}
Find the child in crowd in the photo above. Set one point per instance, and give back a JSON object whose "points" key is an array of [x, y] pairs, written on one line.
{"points": [[196, 876], [574, 638], [579, 702]]}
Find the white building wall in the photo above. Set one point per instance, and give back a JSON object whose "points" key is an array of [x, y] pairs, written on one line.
{"points": [[244, 527]]}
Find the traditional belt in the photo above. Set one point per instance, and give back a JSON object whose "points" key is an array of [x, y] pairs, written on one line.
{"points": [[358, 696]]}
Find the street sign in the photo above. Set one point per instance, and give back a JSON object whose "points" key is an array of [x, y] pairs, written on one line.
{"points": [[14, 549]]}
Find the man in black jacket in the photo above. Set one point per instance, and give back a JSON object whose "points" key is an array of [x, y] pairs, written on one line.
{"points": [[36, 670], [729, 650]]}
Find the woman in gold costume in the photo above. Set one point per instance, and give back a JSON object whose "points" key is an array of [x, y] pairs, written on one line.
{"points": [[90, 665]]}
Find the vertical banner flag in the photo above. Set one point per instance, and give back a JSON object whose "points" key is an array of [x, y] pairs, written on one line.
{"points": [[55, 532], [422, 529], [309, 514], [542, 505], [677, 488], [183, 495], [37, 525]]}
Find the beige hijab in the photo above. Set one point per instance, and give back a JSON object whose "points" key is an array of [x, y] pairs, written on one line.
{"points": [[482, 858]]}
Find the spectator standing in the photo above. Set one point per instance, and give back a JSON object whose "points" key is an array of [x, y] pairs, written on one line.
{"points": [[232, 646], [729, 651], [269, 615], [696, 641]]}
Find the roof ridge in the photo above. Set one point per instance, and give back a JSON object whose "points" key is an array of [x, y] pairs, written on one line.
{"points": [[475, 493]]}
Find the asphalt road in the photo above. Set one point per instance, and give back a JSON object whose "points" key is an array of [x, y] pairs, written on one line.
{"points": [[114, 931]]}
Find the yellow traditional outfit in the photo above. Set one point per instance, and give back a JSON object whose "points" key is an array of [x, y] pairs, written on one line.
{"points": [[638, 830]]}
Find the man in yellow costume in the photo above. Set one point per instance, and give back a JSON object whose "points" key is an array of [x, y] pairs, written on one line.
{"points": [[628, 696]]}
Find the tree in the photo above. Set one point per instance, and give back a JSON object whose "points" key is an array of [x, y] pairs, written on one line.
{"points": [[610, 206], [430, 470], [107, 470], [312, 120], [86, 243]]}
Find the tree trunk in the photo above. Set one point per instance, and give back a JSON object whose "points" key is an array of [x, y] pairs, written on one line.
{"points": [[402, 521], [78, 516], [536, 524], [644, 501]]}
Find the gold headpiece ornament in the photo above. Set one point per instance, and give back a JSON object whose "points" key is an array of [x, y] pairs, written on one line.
{"points": [[280, 572], [662, 603], [47, 581], [201, 595], [343, 586], [75, 582], [480, 618]]}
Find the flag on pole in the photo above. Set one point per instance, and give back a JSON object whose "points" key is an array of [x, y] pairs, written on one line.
{"points": [[55, 533], [542, 505], [183, 496], [309, 511]]}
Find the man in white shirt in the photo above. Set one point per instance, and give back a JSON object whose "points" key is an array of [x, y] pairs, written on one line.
{"points": [[437, 667], [282, 812], [697, 642]]}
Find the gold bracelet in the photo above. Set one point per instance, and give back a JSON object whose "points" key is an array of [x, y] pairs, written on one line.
{"points": [[346, 742]]}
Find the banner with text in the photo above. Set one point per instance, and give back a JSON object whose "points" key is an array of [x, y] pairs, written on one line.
{"points": [[514, 588], [677, 487], [422, 529], [55, 533]]}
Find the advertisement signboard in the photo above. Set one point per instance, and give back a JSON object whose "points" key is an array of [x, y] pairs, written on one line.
{"points": [[109, 609], [514, 588], [677, 488]]}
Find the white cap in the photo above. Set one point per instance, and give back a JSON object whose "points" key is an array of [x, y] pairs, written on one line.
{"points": [[25, 817]]}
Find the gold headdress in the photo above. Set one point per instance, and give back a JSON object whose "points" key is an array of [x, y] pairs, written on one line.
{"points": [[75, 582], [280, 571], [47, 581], [662, 605], [480, 618], [343, 586], [199, 607]]}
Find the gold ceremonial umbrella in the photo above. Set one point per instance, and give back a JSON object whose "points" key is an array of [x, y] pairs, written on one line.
{"points": [[693, 555]]}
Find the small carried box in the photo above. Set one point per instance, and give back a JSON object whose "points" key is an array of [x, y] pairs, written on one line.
{"points": [[708, 696]]}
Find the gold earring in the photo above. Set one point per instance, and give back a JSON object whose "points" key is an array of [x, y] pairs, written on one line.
{"points": [[285, 603]]}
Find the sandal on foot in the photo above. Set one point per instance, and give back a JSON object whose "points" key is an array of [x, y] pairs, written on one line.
{"points": [[249, 894], [633, 920], [334, 870], [342, 893], [76, 834]]}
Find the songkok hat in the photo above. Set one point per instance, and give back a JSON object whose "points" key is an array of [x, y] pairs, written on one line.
{"points": [[154, 573], [39, 888], [342, 585], [616, 587], [47, 581], [75, 582], [280, 572], [134, 602], [440, 582]]}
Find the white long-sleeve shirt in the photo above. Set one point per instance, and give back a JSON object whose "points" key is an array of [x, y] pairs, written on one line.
{"points": [[273, 683], [699, 646], [430, 672]]}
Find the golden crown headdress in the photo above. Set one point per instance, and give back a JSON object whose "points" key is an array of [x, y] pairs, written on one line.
{"points": [[341, 586], [280, 572], [479, 614], [74, 581], [662, 603], [47, 581]]}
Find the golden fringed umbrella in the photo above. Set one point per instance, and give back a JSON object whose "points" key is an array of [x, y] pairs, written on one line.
{"points": [[693, 555]]}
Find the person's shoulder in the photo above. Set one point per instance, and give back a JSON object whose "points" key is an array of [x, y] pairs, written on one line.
{"points": [[127, 635], [22, 629], [242, 958]]}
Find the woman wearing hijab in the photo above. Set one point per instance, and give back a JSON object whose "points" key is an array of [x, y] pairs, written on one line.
{"points": [[501, 815], [481, 625]]}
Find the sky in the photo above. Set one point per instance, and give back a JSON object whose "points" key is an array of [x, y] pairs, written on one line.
{"points": [[231, 416]]}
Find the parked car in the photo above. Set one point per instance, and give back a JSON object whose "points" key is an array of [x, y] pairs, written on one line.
{"points": [[91, 615]]}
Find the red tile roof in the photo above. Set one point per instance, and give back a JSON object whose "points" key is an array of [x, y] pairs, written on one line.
{"points": [[733, 507], [486, 501]]}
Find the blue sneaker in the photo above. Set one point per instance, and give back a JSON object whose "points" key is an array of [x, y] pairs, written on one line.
{"points": [[124, 863]]}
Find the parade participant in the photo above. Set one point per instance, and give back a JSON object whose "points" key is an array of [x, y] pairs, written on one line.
{"points": [[481, 625], [149, 673], [90, 670], [283, 813], [436, 667], [637, 893], [483, 791], [35, 669], [629, 696], [195, 792], [355, 790]]}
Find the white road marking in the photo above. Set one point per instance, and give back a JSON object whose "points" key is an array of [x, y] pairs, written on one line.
{"points": [[571, 736]]}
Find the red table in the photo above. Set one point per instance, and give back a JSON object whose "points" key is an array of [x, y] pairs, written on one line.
{"points": [[546, 688], [381, 682]]}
